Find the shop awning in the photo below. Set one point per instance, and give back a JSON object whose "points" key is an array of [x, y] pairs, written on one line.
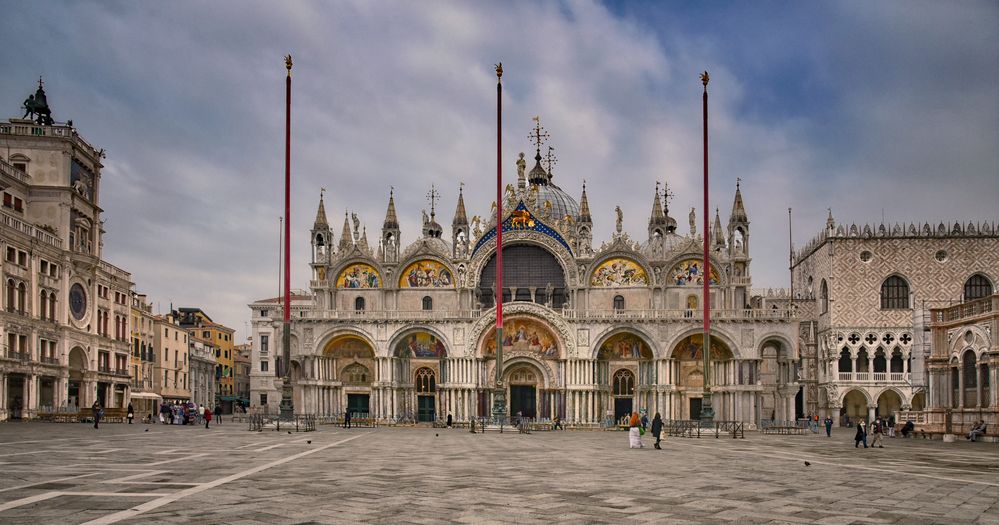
{"points": [[145, 395]]}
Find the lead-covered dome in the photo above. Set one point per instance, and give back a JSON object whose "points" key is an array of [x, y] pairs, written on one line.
{"points": [[547, 191]]}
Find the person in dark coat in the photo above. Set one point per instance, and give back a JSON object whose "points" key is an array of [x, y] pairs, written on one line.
{"points": [[346, 419], [908, 428], [861, 434], [828, 423], [217, 412], [449, 420], [96, 409], [657, 428], [130, 413]]}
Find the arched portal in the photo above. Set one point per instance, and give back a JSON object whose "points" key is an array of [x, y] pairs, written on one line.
{"points": [[418, 367], [354, 363], [77, 368], [625, 368], [425, 380], [688, 354], [524, 380], [889, 402], [854, 406]]}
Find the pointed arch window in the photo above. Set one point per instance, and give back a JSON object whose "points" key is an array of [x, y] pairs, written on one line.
{"points": [[976, 287], [894, 293], [824, 297], [428, 303], [970, 370], [426, 381], [624, 383]]}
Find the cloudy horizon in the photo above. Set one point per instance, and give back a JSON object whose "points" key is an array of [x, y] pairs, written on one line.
{"points": [[887, 109]]}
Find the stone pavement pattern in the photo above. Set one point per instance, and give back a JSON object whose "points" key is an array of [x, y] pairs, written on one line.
{"points": [[68, 473]]}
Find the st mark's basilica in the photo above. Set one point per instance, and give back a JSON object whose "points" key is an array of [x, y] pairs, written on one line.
{"points": [[407, 333]]}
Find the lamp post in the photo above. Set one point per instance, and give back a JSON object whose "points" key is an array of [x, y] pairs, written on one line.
{"points": [[287, 401], [499, 392], [707, 413]]}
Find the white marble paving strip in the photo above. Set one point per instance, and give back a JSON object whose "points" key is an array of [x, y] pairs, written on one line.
{"points": [[269, 447], [28, 500], [157, 503]]}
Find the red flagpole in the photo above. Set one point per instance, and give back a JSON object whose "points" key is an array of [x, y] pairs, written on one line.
{"points": [[707, 413], [499, 395], [287, 401], [287, 196]]}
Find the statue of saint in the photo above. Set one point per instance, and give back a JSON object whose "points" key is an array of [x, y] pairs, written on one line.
{"points": [[693, 222], [620, 219], [521, 166]]}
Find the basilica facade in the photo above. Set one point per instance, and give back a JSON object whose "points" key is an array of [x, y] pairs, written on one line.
{"points": [[591, 333]]}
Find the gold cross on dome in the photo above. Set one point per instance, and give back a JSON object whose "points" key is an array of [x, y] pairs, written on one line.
{"points": [[539, 136], [432, 196]]}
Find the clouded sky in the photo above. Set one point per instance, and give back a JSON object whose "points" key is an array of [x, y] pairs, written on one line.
{"points": [[871, 108]]}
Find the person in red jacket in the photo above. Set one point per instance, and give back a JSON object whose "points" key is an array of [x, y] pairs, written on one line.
{"points": [[208, 416]]}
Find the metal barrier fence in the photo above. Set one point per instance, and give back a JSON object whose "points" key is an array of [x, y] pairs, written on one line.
{"points": [[297, 423]]}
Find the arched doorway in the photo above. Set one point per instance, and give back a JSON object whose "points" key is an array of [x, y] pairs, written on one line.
{"points": [[354, 360], [418, 367], [889, 402], [77, 368], [688, 356], [918, 402], [625, 371], [524, 381], [854, 406], [624, 393], [426, 394]]}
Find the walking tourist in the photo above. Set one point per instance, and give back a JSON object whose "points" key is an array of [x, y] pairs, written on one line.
{"points": [[449, 420], [828, 423], [208, 417], [346, 419], [878, 428], [657, 429], [164, 413], [217, 412], [891, 425], [557, 424], [635, 431], [96, 409], [815, 423], [861, 434], [130, 413], [471, 425]]}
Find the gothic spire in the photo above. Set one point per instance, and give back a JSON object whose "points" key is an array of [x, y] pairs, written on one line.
{"points": [[346, 238], [460, 219], [738, 209], [716, 230], [391, 221], [658, 217], [830, 223], [584, 207], [321, 223]]}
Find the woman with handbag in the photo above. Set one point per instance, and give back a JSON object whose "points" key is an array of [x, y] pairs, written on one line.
{"points": [[657, 429], [635, 431]]}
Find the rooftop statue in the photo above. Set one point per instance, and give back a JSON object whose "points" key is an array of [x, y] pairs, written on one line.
{"points": [[37, 107]]}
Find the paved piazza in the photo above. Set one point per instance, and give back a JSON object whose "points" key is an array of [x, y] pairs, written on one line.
{"points": [[54, 473]]}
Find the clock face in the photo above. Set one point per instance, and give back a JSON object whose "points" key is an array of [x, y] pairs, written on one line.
{"points": [[78, 301]]}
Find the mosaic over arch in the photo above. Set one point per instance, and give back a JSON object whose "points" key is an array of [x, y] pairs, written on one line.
{"points": [[421, 345], [690, 273], [690, 348], [348, 346], [426, 273], [524, 334], [359, 275], [624, 346], [521, 219], [619, 271]]}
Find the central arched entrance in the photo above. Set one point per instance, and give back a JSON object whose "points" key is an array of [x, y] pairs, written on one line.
{"points": [[354, 360], [626, 374], [77, 369], [418, 367], [524, 380], [688, 357]]}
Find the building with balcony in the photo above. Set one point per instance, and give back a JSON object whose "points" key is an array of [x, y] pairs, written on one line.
{"points": [[171, 376], [407, 333], [869, 290], [963, 366], [65, 316], [200, 325], [145, 399], [203, 361]]}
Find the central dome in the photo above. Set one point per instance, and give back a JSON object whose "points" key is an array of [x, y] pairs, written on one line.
{"points": [[541, 182]]}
